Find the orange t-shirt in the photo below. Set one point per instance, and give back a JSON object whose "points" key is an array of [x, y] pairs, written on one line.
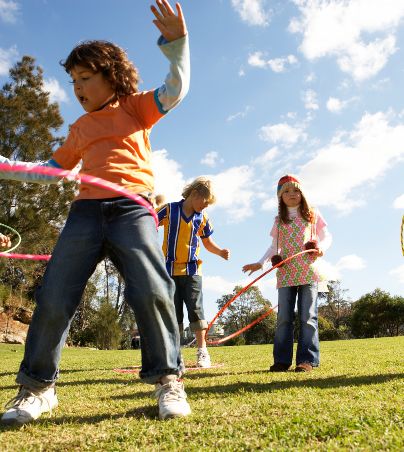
{"points": [[113, 144]]}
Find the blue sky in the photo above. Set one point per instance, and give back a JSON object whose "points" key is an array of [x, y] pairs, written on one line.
{"points": [[312, 88]]}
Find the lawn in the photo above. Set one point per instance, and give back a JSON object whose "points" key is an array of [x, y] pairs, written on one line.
{"points": [[354, 401]]}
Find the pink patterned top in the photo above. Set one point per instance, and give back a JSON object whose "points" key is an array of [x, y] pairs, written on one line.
{"points": [[289, 239]]}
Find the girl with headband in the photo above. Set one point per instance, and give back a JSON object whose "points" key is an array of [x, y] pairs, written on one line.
{"points": [[112, 141], [297, 227]]}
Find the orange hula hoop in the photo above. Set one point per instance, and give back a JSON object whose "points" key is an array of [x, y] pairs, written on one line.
{"points": [[261, 317]]}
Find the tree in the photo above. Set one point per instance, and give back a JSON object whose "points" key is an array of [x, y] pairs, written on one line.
{"points": [[378, 314], [27, 122], [243, 311], [107, 331], [334, 306]]}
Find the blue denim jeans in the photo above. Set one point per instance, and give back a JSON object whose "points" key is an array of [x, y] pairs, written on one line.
{"points": [[126, 233], [188, 290], [308, 347]]}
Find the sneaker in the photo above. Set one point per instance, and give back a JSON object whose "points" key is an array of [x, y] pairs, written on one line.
{"points": [[172, 400], [279, 367], [28, 405], [203, 358], [304, 367]]}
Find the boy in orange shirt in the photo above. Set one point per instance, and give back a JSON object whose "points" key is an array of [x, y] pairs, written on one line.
{"points": [[112, 142]]}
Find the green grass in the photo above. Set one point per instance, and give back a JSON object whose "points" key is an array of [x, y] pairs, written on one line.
{"points": [[352, 402]]}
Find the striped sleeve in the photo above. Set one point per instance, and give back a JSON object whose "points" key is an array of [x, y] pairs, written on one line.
{"points": [[162, 214], [28, 176], [206, 229]]}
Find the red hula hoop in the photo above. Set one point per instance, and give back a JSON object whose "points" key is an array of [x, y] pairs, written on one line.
{"points": [[261, 317], [91, 180]]}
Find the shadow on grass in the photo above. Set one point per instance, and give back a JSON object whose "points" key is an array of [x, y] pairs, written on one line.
{"points": [[323, 383], [143, 412]]}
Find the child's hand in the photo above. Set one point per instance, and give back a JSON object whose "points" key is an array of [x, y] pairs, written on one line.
{"points": [[252, 268], [313, 245], [276, 259], [172, 27], [225, 253], [5, 241]]}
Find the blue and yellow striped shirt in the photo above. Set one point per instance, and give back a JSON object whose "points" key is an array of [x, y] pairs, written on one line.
{"points": [[181, 244]]}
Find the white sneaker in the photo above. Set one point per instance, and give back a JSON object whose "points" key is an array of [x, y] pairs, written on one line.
{"points": [[203, 358], [28, 405], [172, 400]]}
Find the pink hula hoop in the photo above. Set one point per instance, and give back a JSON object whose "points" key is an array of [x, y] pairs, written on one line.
{"points": [[84, 178], [234, 298]]}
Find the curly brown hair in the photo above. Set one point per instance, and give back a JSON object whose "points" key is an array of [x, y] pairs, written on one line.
{"points": [[109, 59], [305, 211]]}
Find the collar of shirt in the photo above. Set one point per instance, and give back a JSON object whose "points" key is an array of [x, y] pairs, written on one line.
{"points": [[293, 212]]}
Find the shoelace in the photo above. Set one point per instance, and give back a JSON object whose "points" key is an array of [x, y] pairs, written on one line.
{"points": [[170, 391], [23, 397], [203, 355]]}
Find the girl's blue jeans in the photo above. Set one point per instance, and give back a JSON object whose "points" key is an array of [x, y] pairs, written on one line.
{"points": [[126, 233], [308, 347]]}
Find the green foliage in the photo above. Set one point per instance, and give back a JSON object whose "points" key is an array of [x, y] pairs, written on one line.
{"points": [[37, 212], [334, 306], [107, 332], [264, 331], [244, 310], [378, 314]]}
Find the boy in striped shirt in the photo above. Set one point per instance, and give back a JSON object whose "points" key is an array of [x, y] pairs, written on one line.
{"points": [[185, 222]]}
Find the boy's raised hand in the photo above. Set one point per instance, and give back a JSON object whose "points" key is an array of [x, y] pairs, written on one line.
{"points": [[171, 26]]}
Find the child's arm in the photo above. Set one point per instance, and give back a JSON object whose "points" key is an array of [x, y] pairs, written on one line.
{"points": [[174, 44], [212, 247], [27, 176], [269, 254], [5, 241], [323, 235]]}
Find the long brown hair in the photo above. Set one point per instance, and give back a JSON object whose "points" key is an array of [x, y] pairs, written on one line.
{"points": [[304, 209], [110, 60]]}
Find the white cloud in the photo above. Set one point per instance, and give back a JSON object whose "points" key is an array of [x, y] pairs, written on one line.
{"points": [[278, 65], [311, 78], [169, 180], [240, 114], [270, 204], [56, 92], [8, 11], [235, 191], [310, 100], [267, 157], [335, 105], [398, 273], [399, 202], [234, 187], [333, 272], [351, 262], [211, 159], [359, 33], [252, 11], [221, 286], [353, 160], [7, 58], [282, 133]]}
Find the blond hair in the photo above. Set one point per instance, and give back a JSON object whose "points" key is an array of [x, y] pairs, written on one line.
{"points": [[203, 187]]}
